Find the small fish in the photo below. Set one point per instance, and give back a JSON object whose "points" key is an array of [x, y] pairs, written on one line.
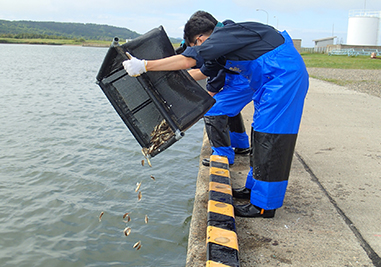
{"points": [[137, 244], [127, 231], [144, 151], [167, 136], [153, 178], [142, 162], [100, 216], [128, 219], [161, 133], [149, 162], [138, 186], [125, 215], [146, 219], [139, 195], [139, 247], [152, 148], [155, 139]]}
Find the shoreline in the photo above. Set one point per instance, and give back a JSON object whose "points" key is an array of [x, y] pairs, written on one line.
{"points": [[52, 42], [102, 44]]}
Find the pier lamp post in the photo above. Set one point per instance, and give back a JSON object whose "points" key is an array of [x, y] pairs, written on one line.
{"points": [[267, 21], [275, 17]]}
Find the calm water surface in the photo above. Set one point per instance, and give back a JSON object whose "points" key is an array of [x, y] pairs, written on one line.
{"points": [[66, 156]]}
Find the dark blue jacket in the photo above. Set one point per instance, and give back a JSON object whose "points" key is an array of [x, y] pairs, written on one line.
{"points": [[241, 41]]}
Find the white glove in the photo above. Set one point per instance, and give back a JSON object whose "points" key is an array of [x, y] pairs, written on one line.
{"points": [[134, 66]]}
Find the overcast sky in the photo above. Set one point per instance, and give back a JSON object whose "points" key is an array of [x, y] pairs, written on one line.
{"points": [[303, 19]]}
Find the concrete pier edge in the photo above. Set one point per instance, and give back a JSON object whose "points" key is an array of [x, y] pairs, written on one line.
{"points": [[221, 239]]}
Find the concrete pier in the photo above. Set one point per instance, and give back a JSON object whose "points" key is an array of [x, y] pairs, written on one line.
{"points": [[331, 213]]}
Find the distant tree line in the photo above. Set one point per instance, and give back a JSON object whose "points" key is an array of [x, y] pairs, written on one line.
{"points": [[62, 30], [33, 36]]}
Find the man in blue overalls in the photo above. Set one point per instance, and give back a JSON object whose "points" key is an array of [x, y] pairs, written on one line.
{"points": [[267, 60], [226, 132]]}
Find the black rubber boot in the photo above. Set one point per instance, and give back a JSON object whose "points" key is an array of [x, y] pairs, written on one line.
{"points": [[236, 124], [242, 151], [217, 129], [243, 193], [251, 211]]}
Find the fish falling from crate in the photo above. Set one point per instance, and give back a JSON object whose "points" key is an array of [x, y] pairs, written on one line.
{"points": [[171, 100], [159, 136]]}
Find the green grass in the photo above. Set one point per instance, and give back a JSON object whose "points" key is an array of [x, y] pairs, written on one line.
{"points": [[55, 41], [340, 62]]}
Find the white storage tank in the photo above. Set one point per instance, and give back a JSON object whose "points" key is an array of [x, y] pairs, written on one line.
{"points": [[363, 27]]}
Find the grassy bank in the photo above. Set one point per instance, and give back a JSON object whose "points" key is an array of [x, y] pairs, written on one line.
{"points": [[359, 73], [81, 42], [340, 62]]}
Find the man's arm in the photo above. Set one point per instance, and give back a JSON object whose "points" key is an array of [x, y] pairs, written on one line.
{"points": [[176, 62], [135, 66], [197, 74]]}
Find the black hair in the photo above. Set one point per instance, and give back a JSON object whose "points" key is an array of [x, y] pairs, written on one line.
{"points": [[196, 26], [205, 15]]}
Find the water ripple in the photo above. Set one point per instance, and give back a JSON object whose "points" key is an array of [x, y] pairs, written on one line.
{"points": [[66, 156]]}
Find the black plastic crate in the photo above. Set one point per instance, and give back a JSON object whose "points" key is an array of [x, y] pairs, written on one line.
{"points": [[171, 99]]}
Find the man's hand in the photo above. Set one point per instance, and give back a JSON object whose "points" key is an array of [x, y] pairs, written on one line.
{"points": [[134, 66]]}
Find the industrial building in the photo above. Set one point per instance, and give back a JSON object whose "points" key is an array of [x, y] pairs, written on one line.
{"points": [[362, 35], [363, 28], [321, 44]]}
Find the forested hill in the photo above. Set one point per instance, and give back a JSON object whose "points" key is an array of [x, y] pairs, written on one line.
{"points": [[56, 30]]}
